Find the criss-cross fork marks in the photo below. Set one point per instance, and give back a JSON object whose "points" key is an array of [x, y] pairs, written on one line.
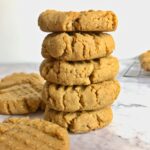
{"points": [[19, 99], [24, 137]]}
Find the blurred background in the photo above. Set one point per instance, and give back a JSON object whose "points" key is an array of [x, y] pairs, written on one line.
{"points": [[21, 39]]}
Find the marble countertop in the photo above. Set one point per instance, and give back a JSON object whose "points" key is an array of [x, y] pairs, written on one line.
{"points": [[130, 129]]}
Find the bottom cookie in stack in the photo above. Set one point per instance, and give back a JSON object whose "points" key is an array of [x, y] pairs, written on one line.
{"points": [[80, 122]]}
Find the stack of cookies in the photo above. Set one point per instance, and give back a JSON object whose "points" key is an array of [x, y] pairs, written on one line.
{"points": [[79, 71]]}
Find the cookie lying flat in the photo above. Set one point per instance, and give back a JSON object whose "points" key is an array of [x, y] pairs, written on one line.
{"points": [[20, 93], [53, 21], [79, 98], [77, 46], [145, 60], [79, 73], [26, 134], [80, 122]]}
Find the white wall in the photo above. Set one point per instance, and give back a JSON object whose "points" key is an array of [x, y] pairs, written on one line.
{"points": [[20, 37]]}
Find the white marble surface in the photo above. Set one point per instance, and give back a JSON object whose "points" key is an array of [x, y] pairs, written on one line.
{"points": [[130, 129]]}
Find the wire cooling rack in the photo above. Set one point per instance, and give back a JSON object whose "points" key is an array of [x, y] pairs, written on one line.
{"points": [[135, 70]]}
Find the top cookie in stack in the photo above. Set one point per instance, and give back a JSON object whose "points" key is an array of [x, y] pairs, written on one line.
{"points": [[58, 21], [78, 68]]}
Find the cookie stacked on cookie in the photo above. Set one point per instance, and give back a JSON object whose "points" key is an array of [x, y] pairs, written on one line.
{"points": [[79, 69]]}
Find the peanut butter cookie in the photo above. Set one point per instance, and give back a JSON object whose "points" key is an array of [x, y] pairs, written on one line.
{"points": [[80, 122], [36, 134], [77, 46], [79, 73], [55, 21], [20, 93], [80, 98]]}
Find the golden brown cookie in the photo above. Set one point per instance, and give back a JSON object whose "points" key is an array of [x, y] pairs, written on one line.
{"points": [[77, 46], [20, 93], [79, 98], [80, 122], [79, 73], [55, 21], [145, 60], [26, 134]]}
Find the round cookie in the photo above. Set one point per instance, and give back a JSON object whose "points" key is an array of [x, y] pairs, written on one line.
{"points": [[80, 98], [145, 60], [80, 122], [79, 73], [20, 93], [23, 133], [77, 46], [56, 21]]}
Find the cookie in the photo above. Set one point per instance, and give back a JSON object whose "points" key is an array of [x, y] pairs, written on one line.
{"points": [[23, 133], [55, 21], [80, 122], [77, 46], [79, 73], [145, 60], [80, 98], [20, 93]]}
